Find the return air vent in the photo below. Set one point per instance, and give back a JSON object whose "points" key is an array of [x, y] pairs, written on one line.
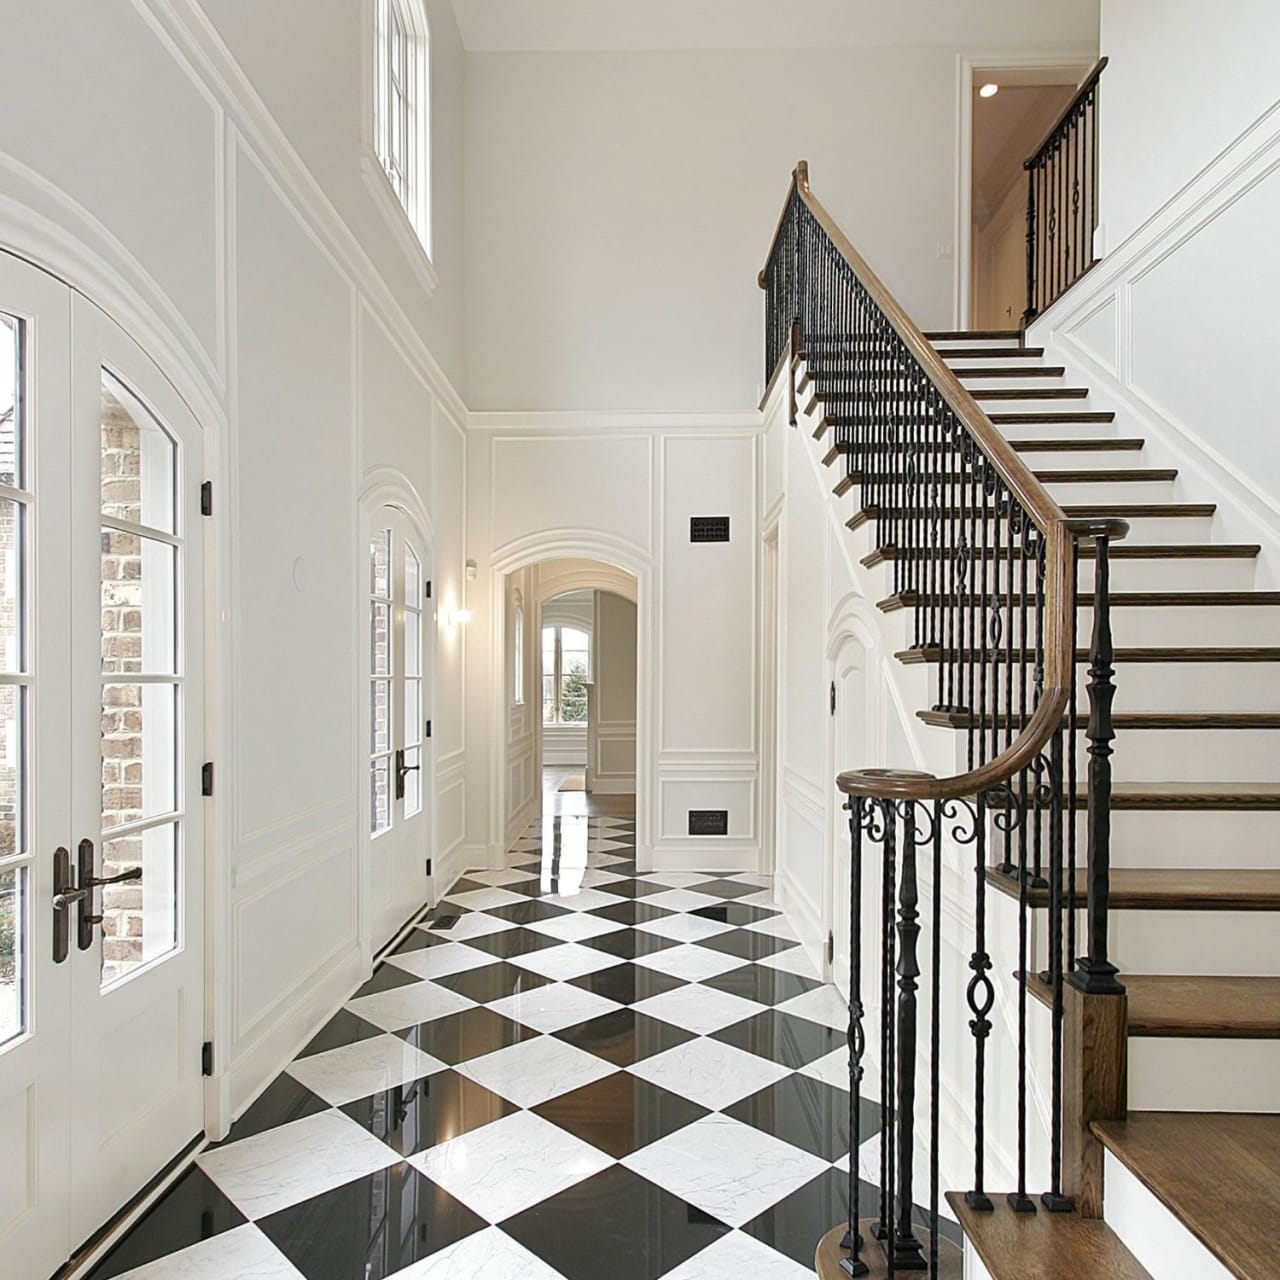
{"points": [[708, 822], [709, 529]]}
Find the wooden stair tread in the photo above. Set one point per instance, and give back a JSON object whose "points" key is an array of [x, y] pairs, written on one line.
{"points": [[1044, 1246], [1217, 1173], [1004, 371], [1140, 510], [1066, 415], [1206, 653], [1121, 551], [973, 335], [1199, 1006], [1125, 719], [991, 353], [1133, 599], [829, 1255], [1169, 889], [1080, 444], [1114, 475], [1029, 393], [1195, 795]]}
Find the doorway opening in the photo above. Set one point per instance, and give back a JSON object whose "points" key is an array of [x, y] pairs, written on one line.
{"points": [[1010, 110]]}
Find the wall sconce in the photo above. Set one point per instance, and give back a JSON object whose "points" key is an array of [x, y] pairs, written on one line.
{"points": [[456, 617]]}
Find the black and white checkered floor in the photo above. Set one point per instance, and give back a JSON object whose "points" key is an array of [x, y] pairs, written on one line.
{"points": [[587, 1075]]}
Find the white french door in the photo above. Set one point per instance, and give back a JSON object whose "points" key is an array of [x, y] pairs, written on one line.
{"points": [[101, 822], [399, 826]]}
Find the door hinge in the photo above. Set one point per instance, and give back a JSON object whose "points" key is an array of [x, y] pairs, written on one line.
{"points": [[428, 590], [833, 697], [206, 778], [206, 498], [206, 1058], [428, 729], [428, 866], [831, 948]]}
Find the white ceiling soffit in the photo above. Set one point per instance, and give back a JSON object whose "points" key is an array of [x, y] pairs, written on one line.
{"points": [[584, 25]]}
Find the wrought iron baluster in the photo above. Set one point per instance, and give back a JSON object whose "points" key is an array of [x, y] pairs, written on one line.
{"points": [[853, 1265]]}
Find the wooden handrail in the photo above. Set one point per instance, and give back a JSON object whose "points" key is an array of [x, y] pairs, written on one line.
{"points": [[1065, 114], [1060, 534]]}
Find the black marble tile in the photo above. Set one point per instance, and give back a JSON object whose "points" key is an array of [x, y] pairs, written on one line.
{"points": [[796, 1223], [513, 942], [627, 983], [725, 888], [459, 1037], [419, 940], [345, 1027], [621, 1113], [631, 1229], [782, 1038], [624, 1037], [386, 977], [283, 1100], [760, 983], [414, 1117], [735, 913], [631, 912], [193, 1209], [371, 1227], [527, 912], [807, 1113], [630, 888], [747, 945], [492, 982], [630, 943]]}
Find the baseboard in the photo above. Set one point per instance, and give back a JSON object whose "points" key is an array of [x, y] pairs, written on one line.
{"points": [[613, 785], [707, 853], [805, 921]]}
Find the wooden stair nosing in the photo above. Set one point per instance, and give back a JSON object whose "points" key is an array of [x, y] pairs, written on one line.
{"points": [[1218, 1174], [1192, 1007], [1044, 1246], [1181, 721], [1029, 393], [1093, 511], [1007, 371], [1067, 415], [992, 353], [1128, 599], [1114, 475], [1166, 889], [973, 335], [1081, 444], [1149, 654], [1121, 551]]}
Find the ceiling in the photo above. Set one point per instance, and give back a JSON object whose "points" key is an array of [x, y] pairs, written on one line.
{"points": [[587, 25]]}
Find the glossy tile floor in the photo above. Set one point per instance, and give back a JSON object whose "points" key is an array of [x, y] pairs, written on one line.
{"points": [[567, 1070]]}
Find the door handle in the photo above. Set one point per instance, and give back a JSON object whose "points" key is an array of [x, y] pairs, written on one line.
{"points": [[84, 894], [65, 896], [401, 770]]}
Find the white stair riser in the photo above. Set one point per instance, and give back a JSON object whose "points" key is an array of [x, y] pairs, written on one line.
{"points": [[1193, 1074], [1207, 942], [1141, 626], [1024, 383], [1040, 404], [1107, 492], [1077, 459], [1228, 573], [1239, 838]]}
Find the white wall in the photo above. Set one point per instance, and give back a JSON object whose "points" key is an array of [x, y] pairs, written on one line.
{"points": [[1186, 78], [566, 744], [612, 766], [138, 163], [623, 492], [620, 205]]}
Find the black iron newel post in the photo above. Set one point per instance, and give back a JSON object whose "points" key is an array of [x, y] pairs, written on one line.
{"points": [[1094, 973]]}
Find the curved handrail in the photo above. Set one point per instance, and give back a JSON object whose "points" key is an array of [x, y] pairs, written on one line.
{"points": [[1061, 537]]}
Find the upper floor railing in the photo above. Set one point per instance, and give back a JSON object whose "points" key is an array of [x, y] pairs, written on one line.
{"points": [[986, 567], [1062, 199]]}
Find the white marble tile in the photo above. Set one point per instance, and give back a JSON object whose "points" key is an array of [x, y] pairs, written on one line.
{"points": [[284, 1166], [407, 1006], [775, 927], [604, 860], [682, 900], [751, 877], [607, 844], [485, 899], [793, 960], [868, 1161], [728, 1169], [577, 926], [710, 1073], [581, 899], [552, 1008], [490, 1254], [436, 962], [823, 1004], [243, 1252], [473, 924], [678, 879], [701, 1010], [691, 962], [594, 879], [737, 1256], [536, 1070], [832, 1068], [363, 1068], [684, 928], [509, 1165], [496, 879], [571, 960]]}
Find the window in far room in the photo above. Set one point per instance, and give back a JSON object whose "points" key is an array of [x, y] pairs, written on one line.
{"points": [[401, 109], [566, 669], [517, 665]]}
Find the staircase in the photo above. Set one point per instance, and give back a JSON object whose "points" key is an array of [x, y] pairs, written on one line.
{"points": [[1170, 1085]]}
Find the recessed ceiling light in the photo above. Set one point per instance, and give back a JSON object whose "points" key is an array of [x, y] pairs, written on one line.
{"points": [[988, 91]]}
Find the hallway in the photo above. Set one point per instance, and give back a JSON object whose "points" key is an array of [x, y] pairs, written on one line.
{"points": [[567, 1070]]}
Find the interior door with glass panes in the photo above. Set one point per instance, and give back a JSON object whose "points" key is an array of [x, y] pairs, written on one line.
{"points": [[137, 960], [35, 827], [398, 717]]}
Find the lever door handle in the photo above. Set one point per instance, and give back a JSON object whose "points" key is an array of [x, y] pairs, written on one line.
{"points": [[88, 883], [402, 770]]}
